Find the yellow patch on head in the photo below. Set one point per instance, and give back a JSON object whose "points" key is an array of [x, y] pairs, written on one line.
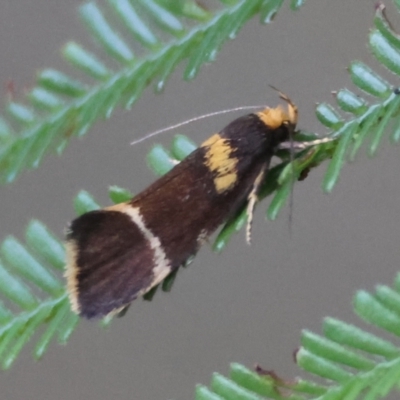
{"points": [[273, 117], [71, 274], [220, 162]]}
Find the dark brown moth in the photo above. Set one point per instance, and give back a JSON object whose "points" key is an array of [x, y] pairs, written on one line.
{"points": [[119, 253]]}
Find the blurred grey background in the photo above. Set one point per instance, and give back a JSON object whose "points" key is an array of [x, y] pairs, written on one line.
{"points": [[247, 304]]}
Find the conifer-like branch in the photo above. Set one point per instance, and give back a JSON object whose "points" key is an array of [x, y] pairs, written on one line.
{"points": [[351, 361], [354, 361], [60, 106]]}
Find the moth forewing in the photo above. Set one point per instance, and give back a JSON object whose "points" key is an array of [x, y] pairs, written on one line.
{"points": [[119, 253]]}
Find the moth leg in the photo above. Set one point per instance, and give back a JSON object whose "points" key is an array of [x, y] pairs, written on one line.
{"points": [[304, 145], [252, 199]]}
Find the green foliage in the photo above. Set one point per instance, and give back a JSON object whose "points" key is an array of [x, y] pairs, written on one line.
{"points": [[32, 292], [351, 361], [34, 296], [60, 107], [368, 121]]}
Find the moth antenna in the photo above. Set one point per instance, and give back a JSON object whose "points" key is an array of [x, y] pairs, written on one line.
{"points": [[283, 96], [189, 121]]}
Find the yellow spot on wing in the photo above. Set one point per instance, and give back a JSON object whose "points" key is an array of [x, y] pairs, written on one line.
{"points": [[220, 162]]}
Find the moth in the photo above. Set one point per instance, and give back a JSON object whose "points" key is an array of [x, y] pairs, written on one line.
{"points": [[119, 253]]}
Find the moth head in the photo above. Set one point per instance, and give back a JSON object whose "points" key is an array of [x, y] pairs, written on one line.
{"points": [[277, 117]]}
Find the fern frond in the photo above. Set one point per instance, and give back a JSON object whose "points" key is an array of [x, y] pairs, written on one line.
{"points": [[60, 106], [350, 360], [368, 120], [34, 296], [33, 293]]}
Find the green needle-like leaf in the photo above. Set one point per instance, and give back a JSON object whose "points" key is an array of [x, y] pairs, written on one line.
{"points": [[352, 361], [60, 107]]}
